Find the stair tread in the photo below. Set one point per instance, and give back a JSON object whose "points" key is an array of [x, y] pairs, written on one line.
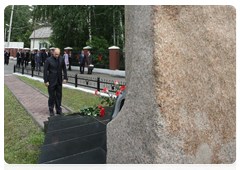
{"points": [[74, 132], [94, 156], [67, 148]]}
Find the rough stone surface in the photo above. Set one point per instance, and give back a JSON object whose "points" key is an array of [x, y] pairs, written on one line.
{"points": [[180, 102]]}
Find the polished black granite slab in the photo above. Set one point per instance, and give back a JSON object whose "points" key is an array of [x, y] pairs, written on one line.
{"points": [[94, 156], [59, 125], [74, 132], [75, 139], [57, 118], [70, 147]]}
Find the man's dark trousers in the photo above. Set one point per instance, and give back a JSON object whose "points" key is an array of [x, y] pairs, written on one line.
{"points": [[82, 68], [55, 97]]}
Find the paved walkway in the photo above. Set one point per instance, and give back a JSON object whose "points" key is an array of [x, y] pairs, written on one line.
{"points": [[34, 101]]}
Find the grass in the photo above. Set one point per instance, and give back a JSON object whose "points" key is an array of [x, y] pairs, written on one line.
{"points": [[74, 99], [23, 138]]}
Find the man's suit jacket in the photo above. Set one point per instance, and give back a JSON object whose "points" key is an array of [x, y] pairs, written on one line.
{"points": [[38, 58], [22, 55], [82, 59], [19, 55], [55, 74], [33, 56], [27, 55], [90, 59]]}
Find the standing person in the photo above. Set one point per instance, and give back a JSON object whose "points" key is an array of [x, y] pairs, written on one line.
{"points": [[81, 62], [38, 61], [22, 58], [51, 52], [89, 62], [55, 65], [7, 54], [70, 60], [65, 57], [26, 58], [18, 59], [33, 59], [47, 54]]}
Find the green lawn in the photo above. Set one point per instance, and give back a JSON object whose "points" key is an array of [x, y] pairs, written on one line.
{"points": [[23, 138], [74, 99]]}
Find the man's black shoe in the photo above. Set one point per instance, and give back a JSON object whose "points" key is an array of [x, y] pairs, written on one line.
{"points": [[51, 113], [59, 113]]}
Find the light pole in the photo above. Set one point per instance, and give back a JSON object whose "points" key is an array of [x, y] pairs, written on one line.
{"points": [[9, 33]]}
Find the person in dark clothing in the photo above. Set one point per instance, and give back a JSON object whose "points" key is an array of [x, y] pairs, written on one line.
{"points": [[38, 61], [90, 61], [33, 58], [18, 55], [70, 60], [7, 55], [55, 65], [81, 61], [25, 57]]}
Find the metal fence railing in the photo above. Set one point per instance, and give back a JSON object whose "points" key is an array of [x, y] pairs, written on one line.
{"points": [[77, 80]]}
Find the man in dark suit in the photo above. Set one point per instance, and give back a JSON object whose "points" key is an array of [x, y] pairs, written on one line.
{"points": [[22, 58], [90, 59], [25, 57], [81, 61], [55, 65], [38, 61], [33, 58], [51, 54], [19, 58], [7, 54]]}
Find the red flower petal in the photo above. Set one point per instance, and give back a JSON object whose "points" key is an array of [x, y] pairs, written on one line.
{"points": [[100, 107], [122, 88], [96, 92], [105, 90], [102, 112], [116, 82], [118, 93]]}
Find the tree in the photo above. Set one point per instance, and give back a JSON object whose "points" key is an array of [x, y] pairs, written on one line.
{"points": [[20, 23], [77, 25]]}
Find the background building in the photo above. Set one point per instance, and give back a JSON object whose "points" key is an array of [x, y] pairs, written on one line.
{"points": [[39, 38]]}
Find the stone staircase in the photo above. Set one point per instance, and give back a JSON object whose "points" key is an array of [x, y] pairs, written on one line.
{"points": [[75, 139]]}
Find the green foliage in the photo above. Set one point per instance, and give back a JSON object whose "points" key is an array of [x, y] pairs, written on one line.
{"points": [[108, 100], [90, 110], [21, 27], [70, 24]]}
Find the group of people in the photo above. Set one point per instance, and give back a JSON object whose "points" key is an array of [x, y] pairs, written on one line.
{"points": [[82, 60], [38, 59]]}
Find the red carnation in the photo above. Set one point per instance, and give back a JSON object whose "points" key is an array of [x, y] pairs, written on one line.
{"points": [[100, 107], [118, 93], [105, 90], [116, 82], [102, 112], [96, 92], [122, 88]]}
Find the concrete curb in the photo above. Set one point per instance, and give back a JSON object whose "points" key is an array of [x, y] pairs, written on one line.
{"points": [[41, 124], [67, 108]]}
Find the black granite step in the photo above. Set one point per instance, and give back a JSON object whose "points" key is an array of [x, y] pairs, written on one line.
{"points": [[59, 125], [62, 117], [74, 132], [67, 148], [94, 156], [75, 139]]}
